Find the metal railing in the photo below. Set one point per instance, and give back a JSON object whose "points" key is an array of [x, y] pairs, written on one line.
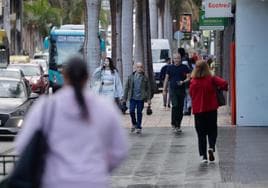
{"points": [[7, 163]]}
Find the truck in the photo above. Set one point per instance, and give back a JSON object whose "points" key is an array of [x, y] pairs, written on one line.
{"points": [[160, 52]]}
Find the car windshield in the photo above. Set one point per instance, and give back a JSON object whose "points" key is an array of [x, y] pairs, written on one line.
{"points": [[11, 89], [43, 63], [28, 70], [10, 74]]}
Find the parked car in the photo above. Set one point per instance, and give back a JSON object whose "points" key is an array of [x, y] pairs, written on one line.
{"points": [[14, 104], [41, 55], [41, 62], [17, 74], [35, 75]]}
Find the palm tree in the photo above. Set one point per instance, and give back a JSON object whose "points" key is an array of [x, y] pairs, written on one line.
{"points": [[119, 37], [168, 23], [143, 52], [113, 21], [153, 18], [147, 45], [92, 44], [37, 16], [138, 51], [127, 38]]}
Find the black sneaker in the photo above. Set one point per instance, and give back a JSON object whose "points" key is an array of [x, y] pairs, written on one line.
{"points": [[138, 131], [178, 130], [133, 128], [211, 155]]}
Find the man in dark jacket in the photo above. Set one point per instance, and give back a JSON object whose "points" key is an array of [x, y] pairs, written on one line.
{"points": [[137, 91]]}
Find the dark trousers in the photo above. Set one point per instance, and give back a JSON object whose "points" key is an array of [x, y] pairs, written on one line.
{"points": [[206, 126], [133, 105], [177, 101]]}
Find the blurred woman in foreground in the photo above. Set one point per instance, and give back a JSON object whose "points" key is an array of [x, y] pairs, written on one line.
{"points": [[86, 140]]}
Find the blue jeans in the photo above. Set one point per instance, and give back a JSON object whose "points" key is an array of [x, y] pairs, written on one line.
{"points": [[139, 104]]}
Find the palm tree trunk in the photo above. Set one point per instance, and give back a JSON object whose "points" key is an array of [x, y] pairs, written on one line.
{"points": [[147, 45], [153, 19], [113, 20], [138, 51], [127, 38], [168, 23], [6, 19], [118, 37], [92, 43], [161, 6]]}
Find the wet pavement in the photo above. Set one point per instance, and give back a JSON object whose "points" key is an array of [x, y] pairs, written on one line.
{"points": [[159, 158]]}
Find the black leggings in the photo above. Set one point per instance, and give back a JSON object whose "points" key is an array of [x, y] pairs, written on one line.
{"points": [[206, 126]]}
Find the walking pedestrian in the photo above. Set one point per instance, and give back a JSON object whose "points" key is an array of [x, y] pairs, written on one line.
{"points": [[85, 137], [166, 98], [137, 91], [108, 81], [187, 107], [204, 101], [178, 75]]}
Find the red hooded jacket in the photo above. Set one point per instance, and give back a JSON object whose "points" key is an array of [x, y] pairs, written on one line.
{"points": [[203, 93]]}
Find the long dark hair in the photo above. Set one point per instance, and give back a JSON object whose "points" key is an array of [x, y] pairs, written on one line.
{"points": [[76, 70], [111, 65]]}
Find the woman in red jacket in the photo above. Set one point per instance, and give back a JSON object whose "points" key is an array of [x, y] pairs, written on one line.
{"points": [[204, 105]]}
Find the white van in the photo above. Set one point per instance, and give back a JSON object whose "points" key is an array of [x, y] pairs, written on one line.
{"points": [[160, 52]]}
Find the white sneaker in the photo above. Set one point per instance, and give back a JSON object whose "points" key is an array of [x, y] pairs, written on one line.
{"points": [[204, 160]]}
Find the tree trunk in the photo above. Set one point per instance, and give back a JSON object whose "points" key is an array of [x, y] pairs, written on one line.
{"points": [[153, 19], [6, 19], [147, 45], [113, 21], [92, 43], [138, 51], [161, 6], [118, 37], [127, 38], [168, 23]]}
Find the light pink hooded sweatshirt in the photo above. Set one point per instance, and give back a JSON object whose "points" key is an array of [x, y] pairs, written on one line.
{"points": [[82, 153]]}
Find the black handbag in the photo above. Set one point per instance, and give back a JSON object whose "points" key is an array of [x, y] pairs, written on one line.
{"points": [[220, 96], [29, 169], [149, 111]]}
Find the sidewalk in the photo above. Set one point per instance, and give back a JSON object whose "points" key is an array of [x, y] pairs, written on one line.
{"points": [[159, 158], [162, 117]]}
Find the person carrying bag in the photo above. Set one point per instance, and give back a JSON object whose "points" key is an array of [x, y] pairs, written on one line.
{"points": [[84, 147], [205, 104]]}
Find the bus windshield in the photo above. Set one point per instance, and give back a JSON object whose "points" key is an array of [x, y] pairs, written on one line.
{"points": [[66, 50], [66, 47]]}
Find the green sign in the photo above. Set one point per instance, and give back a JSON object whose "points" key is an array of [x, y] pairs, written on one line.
{"points": [[211, 23], [187, 36]]}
